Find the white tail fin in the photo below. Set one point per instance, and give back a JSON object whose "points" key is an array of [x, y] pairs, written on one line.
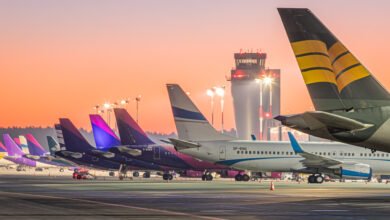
{"points": [[190, 123]]}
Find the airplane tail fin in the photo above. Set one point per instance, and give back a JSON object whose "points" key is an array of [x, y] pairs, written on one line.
{"points": [[334, 77], [105, 137], [22, 142], [12, 147], [129, 131], [72, 138], [34, 147], [53, 145], [190, 123]]}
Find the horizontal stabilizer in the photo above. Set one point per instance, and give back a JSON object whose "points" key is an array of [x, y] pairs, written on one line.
{"points": [[130, 151], [337, 121], [75, 155], [318, 119], [103, 153], [181, 145]]}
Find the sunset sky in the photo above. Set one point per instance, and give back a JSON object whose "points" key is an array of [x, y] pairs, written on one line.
{"points": [[60, 58]]}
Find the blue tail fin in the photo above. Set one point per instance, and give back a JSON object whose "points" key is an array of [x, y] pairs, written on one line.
{"points": [[34, 147], [105, 138]]}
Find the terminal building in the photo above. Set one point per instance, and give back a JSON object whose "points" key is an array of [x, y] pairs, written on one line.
{"points": [[256, 96]]}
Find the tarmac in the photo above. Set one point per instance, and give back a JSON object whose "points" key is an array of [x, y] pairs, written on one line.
{"points": [[50, 197]]}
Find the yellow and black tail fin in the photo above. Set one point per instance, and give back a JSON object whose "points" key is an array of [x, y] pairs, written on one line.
{"points": [[336, 80]]}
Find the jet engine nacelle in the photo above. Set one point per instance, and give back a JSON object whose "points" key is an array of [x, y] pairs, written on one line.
{"points": [[355, 171], [32, 157]]}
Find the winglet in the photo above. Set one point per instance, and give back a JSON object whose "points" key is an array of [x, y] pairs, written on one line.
{"points": [[294, 144]]}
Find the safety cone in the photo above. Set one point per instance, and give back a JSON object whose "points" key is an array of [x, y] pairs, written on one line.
{"points": [[272, 187]]}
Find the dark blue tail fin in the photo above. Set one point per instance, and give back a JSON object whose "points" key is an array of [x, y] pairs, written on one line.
{"points": [[129, 131], [73, 140]]}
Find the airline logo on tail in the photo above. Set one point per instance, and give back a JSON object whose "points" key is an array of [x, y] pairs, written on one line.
{"points": [[105, 138], [336, 80], [34, 147]]}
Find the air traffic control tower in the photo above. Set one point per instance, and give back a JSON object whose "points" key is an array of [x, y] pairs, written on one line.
{"points": [[256, 95]]}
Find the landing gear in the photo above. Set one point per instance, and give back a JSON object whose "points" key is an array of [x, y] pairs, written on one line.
{"points": [[122, 172], [242, 177], [315, 178], [111, 173], [207, 177], [135, 174], [146, 175], [61, 170], [167, 176]]}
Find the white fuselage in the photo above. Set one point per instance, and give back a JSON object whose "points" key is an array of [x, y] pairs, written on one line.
{"points": [[279, 156]]}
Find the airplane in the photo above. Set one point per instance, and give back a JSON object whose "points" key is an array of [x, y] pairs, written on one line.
{"points": [[73, 146], [132, 136], [200, 140], [351, 106], [107, 142], [54, 146], [77, 149], [38, 153], [17, 156]]}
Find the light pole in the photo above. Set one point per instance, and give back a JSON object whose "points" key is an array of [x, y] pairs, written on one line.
{"points": [[220, 91], [211, 93], [96, 107], [268, 80], [137, 100], [260, 82], [124, 102], [107, 106]]}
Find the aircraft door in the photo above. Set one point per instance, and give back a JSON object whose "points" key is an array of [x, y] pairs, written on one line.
{"points": [[222, 152], [156, 153]]}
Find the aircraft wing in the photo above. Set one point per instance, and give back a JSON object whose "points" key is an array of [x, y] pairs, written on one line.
{"points": [[128, 150], [181, 144], [312, 160]]}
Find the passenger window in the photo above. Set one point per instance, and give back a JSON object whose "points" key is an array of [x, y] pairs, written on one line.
{"points": [[261, 152], [250, 152], [246, 152], [334, 154], [238, 152], [383, 155], [277, 153], [273, 152], [282, 153], [258, 152]]}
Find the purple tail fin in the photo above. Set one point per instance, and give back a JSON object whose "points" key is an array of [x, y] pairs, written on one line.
{"points": [[12, 148], [73, 139], [105, 138], [34, 147], [129, 131]]}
